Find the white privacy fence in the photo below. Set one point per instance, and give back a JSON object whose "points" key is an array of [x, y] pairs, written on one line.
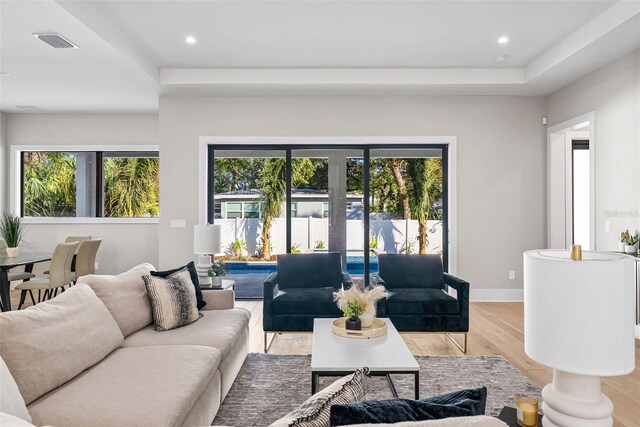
{"points": [[392, 236]]}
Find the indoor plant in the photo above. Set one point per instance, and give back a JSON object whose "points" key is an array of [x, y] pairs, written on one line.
{"points": [[216, 272], [367, 298], [631, 243], [12, 231], [623, 240], [352, 311]]}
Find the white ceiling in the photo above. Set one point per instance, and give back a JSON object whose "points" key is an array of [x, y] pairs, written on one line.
{"points": [[133, 51]]}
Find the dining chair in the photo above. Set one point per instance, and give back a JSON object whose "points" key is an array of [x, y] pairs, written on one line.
{"points": [[18, 275], [59, 275], [71, 239], [86, 258]]}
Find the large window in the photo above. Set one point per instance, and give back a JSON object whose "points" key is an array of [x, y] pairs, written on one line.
{"points": [[90, 184], [359, 200]]}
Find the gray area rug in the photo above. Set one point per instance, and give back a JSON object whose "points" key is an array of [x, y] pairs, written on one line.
{"points": [[269, 386]]}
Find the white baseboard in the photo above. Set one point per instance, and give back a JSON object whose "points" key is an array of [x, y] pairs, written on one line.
{"points": [[638, 332], [497, 295]]}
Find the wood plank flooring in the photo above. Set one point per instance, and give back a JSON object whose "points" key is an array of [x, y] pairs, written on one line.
{"points": [[496, 329]]}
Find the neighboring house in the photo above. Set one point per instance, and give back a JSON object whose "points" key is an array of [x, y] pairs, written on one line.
{"points": [[304, 203]]}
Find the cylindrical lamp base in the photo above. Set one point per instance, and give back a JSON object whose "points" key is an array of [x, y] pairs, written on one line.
{"points": [[575, 400]]}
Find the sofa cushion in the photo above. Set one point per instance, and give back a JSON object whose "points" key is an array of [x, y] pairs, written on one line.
{"points": [[309, 270], [46, 345], [312, 301], [11, 401], [193, 273], [216, 328], [421, 301], [411, 271], [463, 403], [173, 300], [148, 386], [125, 296]]}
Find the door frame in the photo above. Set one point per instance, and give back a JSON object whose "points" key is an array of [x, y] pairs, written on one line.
{"points": [[346, 142], [558, 224]]}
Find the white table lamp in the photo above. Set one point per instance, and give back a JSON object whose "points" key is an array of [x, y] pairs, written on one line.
{"points": [[206, 242], [579, 320]]}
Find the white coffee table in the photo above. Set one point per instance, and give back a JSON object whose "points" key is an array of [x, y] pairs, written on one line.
{"points": [[334, 356]]}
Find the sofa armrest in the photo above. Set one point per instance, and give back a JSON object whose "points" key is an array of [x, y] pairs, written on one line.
{"points": [[376, 280], [347, 281], [462, 288], [222, 299]]}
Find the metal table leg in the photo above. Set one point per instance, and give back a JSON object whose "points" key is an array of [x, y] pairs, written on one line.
{"points": [[4, 290]]}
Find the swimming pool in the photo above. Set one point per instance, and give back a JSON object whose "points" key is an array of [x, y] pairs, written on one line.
{"points": [[355, 265]]}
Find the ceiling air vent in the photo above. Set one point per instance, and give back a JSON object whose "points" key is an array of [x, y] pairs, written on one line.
{"points": [[56, 41]]}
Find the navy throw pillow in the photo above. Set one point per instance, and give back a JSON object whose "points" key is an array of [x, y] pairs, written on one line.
{"points": [[463, 403], [194, 279]]}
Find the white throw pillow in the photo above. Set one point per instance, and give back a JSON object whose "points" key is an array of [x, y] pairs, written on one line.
{"points": [[173, 300], [125, 297], [11, 401]]}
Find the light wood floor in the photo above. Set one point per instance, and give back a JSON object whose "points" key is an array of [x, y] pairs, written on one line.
{"points": [[496, 329]]}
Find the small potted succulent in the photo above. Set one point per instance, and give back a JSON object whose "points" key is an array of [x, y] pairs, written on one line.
{"points": [[352, 311], [631, 244], [12, 231], [217, 271]]}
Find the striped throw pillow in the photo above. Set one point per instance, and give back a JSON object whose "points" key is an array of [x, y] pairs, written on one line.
{"points": [[316, 411], [173, 300]]}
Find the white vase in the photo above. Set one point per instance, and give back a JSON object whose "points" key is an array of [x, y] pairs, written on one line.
{"points": [[366, 320], [630, 249], [621, 246], [216, 281], [13, 252]]}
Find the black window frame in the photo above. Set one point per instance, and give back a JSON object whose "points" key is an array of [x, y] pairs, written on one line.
{"points": [[99, 170], [287, 150]]}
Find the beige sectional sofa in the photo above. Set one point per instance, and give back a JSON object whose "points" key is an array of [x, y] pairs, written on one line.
{"points": [[90, 356]]}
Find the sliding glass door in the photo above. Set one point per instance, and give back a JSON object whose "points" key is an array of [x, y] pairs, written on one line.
{"points": [[357, 200]]}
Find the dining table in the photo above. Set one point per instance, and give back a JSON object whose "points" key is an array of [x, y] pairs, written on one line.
{"points": [[24, 258]]}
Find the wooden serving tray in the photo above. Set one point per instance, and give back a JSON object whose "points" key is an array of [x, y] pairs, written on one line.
{"points": [[378, 329]]}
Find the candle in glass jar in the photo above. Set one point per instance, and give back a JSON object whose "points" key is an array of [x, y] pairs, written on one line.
{"points": [[527, 411]]}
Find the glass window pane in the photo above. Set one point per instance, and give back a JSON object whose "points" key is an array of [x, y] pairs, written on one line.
{"points": [[249, 184], [49, 184], [406, 201], [131, 186], [252, 207], [234, 207]]}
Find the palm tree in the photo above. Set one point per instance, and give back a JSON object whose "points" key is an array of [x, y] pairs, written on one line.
{"points": [[131, 187], [273, 191], [426, 177], [49, 184], [396, 166]]}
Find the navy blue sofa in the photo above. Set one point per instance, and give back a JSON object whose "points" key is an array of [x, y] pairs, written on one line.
{"points": [[301, 290], [418, 300]]}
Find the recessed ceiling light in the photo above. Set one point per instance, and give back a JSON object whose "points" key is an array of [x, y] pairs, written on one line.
{"points": [[503, 40], [190, 40], [500, 59]]}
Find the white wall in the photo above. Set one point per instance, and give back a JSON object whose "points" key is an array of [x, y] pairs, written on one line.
{"points": [[501, 164], [124, 245], [613, 92], [3, 164]]}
